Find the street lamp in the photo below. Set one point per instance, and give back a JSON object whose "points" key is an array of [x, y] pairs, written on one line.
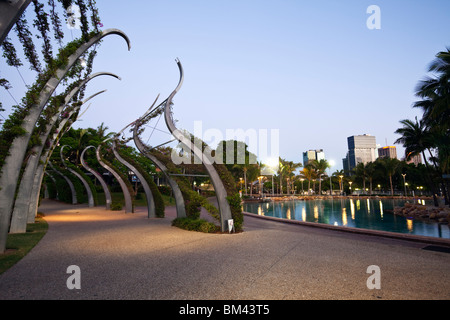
{"points": [[331, 164], [240, 182], [350, 183], [302, 185], [340, 184], [260, 189], [404, 182]]}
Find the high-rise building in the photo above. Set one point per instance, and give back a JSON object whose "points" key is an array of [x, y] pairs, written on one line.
{"points": [[361, 149], [311, 155], [415, 159], [387, 152]]}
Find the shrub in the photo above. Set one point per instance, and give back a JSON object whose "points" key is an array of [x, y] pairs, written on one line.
{"points": [[236, 211], [165, 190], [116, 206], [199, 225]]}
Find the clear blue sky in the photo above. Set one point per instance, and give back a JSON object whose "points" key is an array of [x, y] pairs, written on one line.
{"points": [[311, 69]]}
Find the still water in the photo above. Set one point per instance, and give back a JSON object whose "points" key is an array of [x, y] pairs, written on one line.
{"points": [[355, 213]]}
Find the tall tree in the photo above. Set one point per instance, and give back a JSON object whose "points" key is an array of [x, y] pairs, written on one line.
{"points": [[416, 139], [320, 167]]}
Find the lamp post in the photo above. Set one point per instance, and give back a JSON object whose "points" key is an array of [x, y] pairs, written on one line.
{"points": [[404, 182], [272, 185], [330, 164], [302, 185], [340, 184], [350, 183], [260, 189]]}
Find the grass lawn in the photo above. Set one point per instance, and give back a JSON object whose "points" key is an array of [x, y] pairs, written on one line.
{"points": [[18, 245]]}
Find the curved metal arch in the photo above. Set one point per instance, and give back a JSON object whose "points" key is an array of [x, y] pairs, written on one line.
{"points": [[25, 206], [83, 181], [54, 181], [221, 193], [99, 178], [69, 182], [123, 186], [148, 193], [34, 197], [13, 162], [179, 199]]}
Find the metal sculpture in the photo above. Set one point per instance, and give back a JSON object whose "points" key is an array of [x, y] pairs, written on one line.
{"points": [[80, 177], [148, 193], [123, 186], [13, 162], [28, 191], [221, 193], [10, 12], [145, 150], [99, 178], [69, 182], [54, 181]]}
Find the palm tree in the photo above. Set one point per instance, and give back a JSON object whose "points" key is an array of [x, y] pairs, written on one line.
{"points": [[370, 171], [435, 90], [289, 168], [308, 174], [416, 138], [361, 172], [320, 166], [253, 173], [340, 175], [390, 165], [435, 94]]}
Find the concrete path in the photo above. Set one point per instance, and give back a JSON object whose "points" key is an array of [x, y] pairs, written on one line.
{"points": [[128, 256]]}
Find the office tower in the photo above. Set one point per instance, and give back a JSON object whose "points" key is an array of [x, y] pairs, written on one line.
{"points": [[311, 155], [415, 159], [361, 149], [387, 152]]}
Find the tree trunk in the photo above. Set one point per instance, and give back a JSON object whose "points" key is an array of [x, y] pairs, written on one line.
{"points": [[430, 181]]}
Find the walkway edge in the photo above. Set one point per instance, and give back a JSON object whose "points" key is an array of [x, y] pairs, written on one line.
{"points": [[385, 234]]}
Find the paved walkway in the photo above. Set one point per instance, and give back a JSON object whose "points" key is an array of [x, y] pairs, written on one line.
{"points": [[127, 256]]}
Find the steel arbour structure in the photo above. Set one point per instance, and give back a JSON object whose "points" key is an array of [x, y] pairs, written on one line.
{"points": [[221, 193], [16, 153], [30, 183]]}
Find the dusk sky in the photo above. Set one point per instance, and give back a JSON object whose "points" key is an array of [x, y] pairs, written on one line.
{"points": [[311, 69]]}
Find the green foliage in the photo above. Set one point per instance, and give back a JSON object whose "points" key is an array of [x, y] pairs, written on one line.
{"points": [[116, 206], [165, 190], [236, 211], [109, 162], [199, 225], [159, 202], [193, 209]]}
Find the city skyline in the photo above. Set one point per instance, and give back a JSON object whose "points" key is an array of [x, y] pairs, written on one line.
{"points": [[313, 71]]}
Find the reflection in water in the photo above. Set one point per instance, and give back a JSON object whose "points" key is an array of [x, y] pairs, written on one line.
{"points": [[381, 209], [409, 224], [369, 215], [352, 209], [344, 216]]}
